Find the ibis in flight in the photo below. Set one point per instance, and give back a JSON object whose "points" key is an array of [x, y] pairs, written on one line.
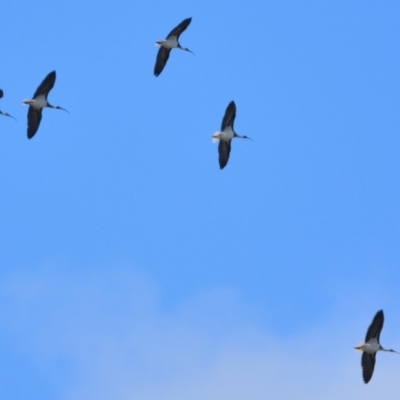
{"points": [[226, 135], [171, 42], [1, 112], [372, 346], [39, 102]]}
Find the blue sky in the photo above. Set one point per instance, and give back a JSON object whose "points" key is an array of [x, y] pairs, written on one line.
{"points": [[132, 267]]}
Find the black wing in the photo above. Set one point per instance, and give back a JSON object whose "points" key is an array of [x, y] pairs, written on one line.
{"points": [[180, 28], [46, 85], [34, 118], [229, 117], [1, 93], [224, 149], [368, 364], [162, 58], [374, 330]]}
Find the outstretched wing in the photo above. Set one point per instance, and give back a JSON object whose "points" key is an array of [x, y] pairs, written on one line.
{"points": [[229, 117], [162, 58], [34, 118], [46, 85], [374, 330], [180, 28], [224, 149], [368, 365], [1, 93]]}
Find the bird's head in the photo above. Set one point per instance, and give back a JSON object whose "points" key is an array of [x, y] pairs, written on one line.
{"points": [[186, 49], [60, 108], [243, 137], [7, 115], [27, 101], [57, 107]]}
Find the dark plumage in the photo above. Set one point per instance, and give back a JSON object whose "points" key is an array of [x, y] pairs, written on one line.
{"points": [[224, 149], [229, 116], [227, 134], [163, 52], [35, 110], [368, 359]]}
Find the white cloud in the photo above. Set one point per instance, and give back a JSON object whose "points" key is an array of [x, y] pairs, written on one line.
{"points": [[122, 346]]}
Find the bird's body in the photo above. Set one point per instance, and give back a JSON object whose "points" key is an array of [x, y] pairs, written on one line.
{"points": [[166, 45], [170, 43], [39, 102], [226, 135], [2, 112], [372, 346]]}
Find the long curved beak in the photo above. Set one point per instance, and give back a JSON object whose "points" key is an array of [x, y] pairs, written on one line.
{"points": [[7, 115], [60, 108]]}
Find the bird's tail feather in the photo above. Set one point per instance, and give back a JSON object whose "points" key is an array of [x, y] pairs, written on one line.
{"points": [[215, 137], [358, 345]]}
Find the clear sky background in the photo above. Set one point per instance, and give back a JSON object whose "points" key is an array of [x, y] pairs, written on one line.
{"points": [[133, 268]]}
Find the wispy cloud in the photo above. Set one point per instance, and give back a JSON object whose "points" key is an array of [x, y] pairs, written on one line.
{"points": [[119, 345]]}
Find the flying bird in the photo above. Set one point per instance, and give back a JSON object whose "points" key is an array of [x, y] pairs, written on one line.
{"points": [[171, 42], [1, 112], [372, 346], [39, 102], [226, 135]]}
